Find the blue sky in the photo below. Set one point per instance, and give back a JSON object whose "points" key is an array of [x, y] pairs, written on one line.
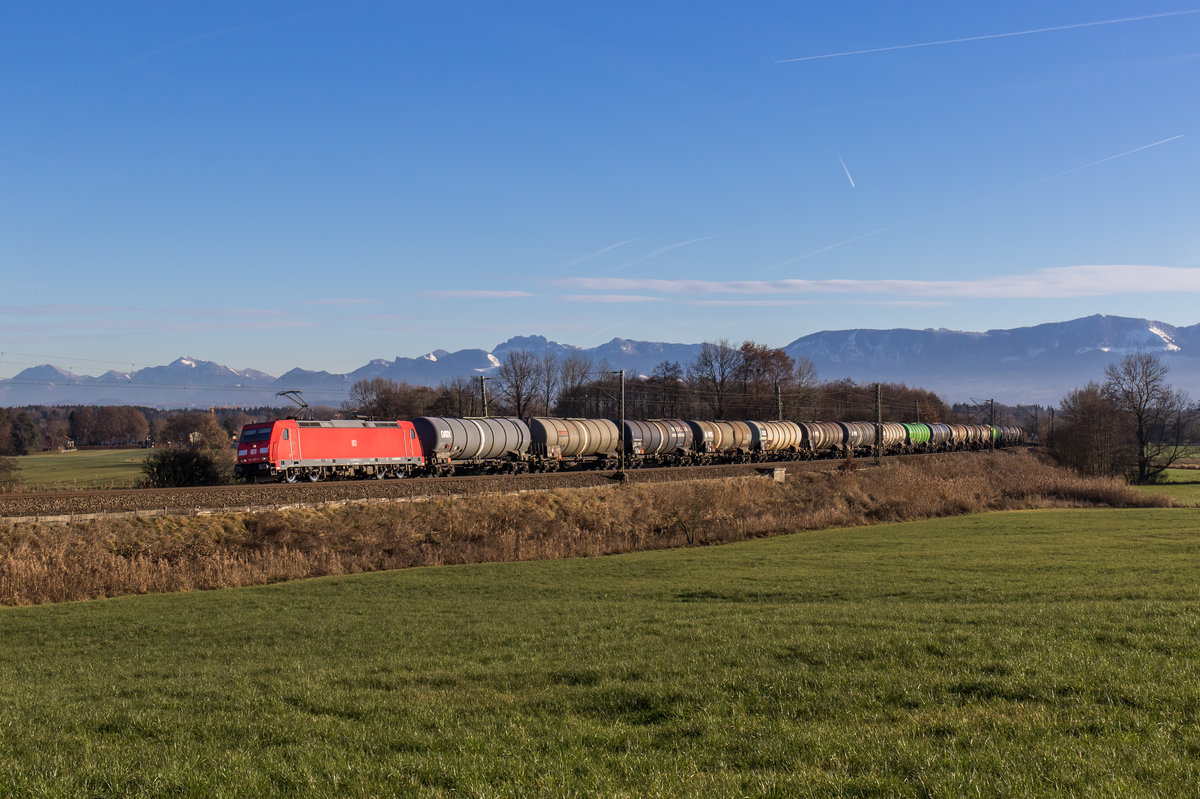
{"points": [[276, 184]]}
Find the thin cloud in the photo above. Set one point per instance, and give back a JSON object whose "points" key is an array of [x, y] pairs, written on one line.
{"points": [[477, 294], [52, 310], [752, 303], [785, 303], [342, 302], [125, 310], [660, 251], [1074, 26], [601, 251], [156, 326], [1053, 283], [608, 298]]}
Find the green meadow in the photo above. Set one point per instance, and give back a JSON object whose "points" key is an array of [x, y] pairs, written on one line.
{"points": [[1181, 485], [81, 469], [1031, 653]]}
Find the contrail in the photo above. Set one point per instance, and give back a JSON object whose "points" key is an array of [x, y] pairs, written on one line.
{"points": [[847, 171], [825, 249], [200, 37], [601, 251], [1102, 160], [990, 36], [660, 251]]}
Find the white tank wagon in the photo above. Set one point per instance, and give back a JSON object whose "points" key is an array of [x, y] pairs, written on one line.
{"points": [[893, 437], [563, 442], [775, 439]]}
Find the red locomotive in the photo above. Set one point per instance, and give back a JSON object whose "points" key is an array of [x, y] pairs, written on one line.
{"points": [[291, 450]]}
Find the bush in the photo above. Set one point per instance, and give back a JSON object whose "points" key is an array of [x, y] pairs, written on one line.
{"points": [[10, 475], [175, 466]]}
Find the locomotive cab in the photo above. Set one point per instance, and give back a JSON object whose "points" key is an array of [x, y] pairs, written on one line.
{"points": [[254, 451]]}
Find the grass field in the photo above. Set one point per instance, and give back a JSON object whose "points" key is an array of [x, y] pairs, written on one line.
{"points": [[1181, 485], [1023, 653], [79, 469]]}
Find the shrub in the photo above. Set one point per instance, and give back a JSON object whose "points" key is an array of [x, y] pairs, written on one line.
{"points": [[10, 475], [180, 465]]}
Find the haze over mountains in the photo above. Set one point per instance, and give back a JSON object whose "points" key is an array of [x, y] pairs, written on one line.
{"points": [[1030, 365]]}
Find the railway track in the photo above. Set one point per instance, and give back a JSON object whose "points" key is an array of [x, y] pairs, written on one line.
{"points": [[242, 497]]}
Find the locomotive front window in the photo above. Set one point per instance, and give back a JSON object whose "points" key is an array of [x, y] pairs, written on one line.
{"points": [[257, 434]]}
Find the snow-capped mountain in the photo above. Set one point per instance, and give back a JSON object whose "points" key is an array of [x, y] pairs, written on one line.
{"points": [[1028, 364]]}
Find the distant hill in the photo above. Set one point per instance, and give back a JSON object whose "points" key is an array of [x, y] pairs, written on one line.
{"points": [[1029, 364]]}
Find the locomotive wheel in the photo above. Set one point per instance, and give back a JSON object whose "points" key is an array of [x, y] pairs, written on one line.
{"points": [[313, 477], [291, 477], [380, 474]]}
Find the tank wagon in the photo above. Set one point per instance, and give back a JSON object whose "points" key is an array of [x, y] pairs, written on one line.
{"points": [[293, 450], [558, 443], [485, 445], [660, 442], [719, 441]]}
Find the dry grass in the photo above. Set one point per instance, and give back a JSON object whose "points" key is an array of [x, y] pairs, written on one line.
{"points": [[54, 563]]}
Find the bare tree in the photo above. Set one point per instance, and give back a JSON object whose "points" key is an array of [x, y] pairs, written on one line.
{"points": [[667, 387], [548, 376], [518, 380], [573, 379], [1159, 414], [382, 398], [1093, 436], [805, 389], [713, 372], [459, 397], [761, 371]]}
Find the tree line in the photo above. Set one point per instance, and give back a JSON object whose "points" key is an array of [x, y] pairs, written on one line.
{"points": [[191, 447], [724, 381], [1134, 424]]}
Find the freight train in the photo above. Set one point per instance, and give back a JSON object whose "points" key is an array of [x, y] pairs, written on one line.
{"points": [[292, 450]]}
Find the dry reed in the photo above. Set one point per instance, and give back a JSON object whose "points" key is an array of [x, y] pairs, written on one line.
{"points": [[85, 560]]}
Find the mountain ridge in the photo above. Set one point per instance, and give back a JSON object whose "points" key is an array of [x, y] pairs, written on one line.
{"points": [[1037, 363]]}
